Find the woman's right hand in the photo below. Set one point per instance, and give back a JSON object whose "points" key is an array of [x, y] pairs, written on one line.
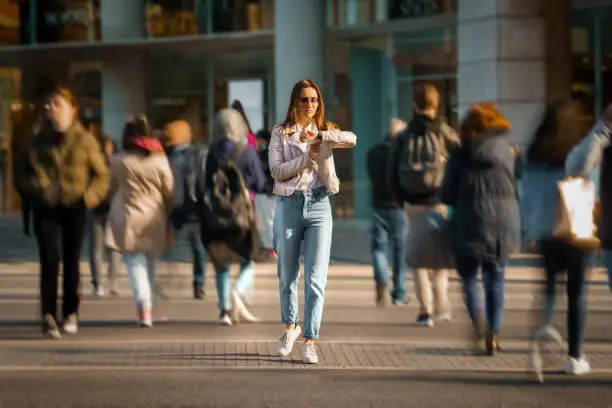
{"points": [[314, 149]]}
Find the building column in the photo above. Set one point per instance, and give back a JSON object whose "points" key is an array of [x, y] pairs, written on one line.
{"points": [[299, 50], [124, 75], [515, 54], [373, 104]]}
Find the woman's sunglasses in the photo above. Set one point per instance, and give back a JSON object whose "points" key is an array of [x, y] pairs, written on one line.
{"points": [[305, 100]]}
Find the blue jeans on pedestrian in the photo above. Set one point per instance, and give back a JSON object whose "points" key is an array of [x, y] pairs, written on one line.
{"points": [[199, 254], [390, 224], [192, 232], [303, 216], [607, 260], [243, 284], [493, 279]]}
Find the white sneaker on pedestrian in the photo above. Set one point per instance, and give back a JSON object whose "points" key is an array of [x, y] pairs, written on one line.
{"points": [[224, 319], [424, 320], [71, 324], [577, 366], [536, 361], [97, 291], [309, 353], [285, 344]]}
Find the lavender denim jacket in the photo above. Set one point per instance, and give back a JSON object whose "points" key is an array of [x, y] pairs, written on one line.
{"points": [[288, 158]]}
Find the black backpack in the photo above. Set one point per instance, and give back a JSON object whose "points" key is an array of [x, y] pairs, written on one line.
{"points": [[422, 158], [228, 212]]}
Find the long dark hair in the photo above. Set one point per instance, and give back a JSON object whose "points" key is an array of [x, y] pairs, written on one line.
{"points": [[134, 129], [237, 105], [562, 127]]}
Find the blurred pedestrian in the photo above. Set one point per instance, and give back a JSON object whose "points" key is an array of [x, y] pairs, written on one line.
{"points": [[64, 173], [188, 163], [142, 189], [423, 150], [560, 149], [265, 202], [95, 229], [481, 185], [389, 221], [229, 229]]}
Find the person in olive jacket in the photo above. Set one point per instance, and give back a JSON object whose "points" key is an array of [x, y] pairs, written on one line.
{"points": [[64, 173]]}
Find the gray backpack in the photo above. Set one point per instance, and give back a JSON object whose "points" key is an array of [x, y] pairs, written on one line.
{"points": [[422, 158]]}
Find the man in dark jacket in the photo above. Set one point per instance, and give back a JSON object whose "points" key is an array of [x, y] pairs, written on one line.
{"points": [[388, 221], [187, 160]]}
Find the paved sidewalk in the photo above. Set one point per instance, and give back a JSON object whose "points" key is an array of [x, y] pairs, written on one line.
{"points": [[159, 354]]}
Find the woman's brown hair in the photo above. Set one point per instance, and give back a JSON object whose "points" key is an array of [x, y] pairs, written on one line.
{"points": [[293, 115], [64, 92], [482, 117], [563, 126]]}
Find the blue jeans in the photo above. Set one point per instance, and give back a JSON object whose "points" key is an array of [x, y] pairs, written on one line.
{"points": [[243, 284], [390, 224], [303, 216], [192, 231], [607, 259], [493, 279]]}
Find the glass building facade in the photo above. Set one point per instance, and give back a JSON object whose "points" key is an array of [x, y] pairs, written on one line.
{"points": [[185, 57]]}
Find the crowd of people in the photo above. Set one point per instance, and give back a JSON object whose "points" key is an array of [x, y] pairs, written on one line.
{"points": [[468, 200], [444, 199]]}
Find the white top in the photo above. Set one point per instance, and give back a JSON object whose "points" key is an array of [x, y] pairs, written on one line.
{"points": [[309, 178]]}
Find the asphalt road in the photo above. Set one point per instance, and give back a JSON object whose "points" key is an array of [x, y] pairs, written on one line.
{"points": [[280, 388]]}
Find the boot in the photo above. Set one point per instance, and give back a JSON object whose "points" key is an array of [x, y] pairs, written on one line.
{"points": [[478, 332], [198, 291], [381, 295], [240, 311], [492, 343]]}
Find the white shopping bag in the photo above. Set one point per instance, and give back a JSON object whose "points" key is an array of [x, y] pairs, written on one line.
{"points": [[575, 219]]}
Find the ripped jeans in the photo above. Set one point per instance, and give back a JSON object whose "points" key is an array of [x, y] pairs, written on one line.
{"points": [[303, 216]]}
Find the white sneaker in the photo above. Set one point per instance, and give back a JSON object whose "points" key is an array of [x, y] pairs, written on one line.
{"points": [[536, 361], [285, 344], [577, 367], [309, 353], [224, 319], [71, 324], [97, 291]]}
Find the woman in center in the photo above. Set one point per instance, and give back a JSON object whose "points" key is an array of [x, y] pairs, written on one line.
{"points": [[302, 166]]}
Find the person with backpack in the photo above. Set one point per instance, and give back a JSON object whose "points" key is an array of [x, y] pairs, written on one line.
{"points": [[142, 189], [188, 163], [422, 151], [302, 165], [481, 185], [229, 228], [388, 221]]}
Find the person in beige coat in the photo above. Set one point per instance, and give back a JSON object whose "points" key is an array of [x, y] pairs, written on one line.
{"points": [[142, 189]]}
